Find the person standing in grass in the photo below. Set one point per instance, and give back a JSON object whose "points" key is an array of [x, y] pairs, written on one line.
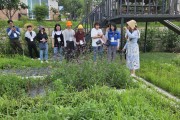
{"points": [[113, 36], [14, 34], [43, 45], [57, 42], [30, 37], [69, 40], [97, 42], [80, 40], [132, 48]]}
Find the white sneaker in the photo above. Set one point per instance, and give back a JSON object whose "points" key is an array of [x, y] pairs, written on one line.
{"points": [[46, 61], [133, 75], [41, 61]]}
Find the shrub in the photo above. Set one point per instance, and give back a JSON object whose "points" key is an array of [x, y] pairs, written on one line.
{"points": [[170, 40], [24, 18], [151, 36], [41, 11], [86, 75]]}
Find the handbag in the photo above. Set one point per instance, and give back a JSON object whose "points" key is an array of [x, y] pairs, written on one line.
{"points": [[42, 46], [99, 42], [108, 43]]}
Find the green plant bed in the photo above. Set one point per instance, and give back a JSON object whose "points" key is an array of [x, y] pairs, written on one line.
{"points": [[162, 69], [97, 102], [81, 92]]}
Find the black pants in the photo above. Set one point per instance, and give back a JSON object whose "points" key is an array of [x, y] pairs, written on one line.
{"points": [[70, 51], [32, 46], [79, 50], [16, 46]]}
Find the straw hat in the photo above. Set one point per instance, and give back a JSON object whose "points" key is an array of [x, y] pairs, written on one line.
{"points": [[29, 24], [132, 24], [68, 23], [80, 26]]}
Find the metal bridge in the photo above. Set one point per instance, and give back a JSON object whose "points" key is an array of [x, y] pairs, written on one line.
{"points": [[120, 11]]}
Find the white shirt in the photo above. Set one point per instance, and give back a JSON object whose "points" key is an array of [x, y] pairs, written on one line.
{"points": [[28, 35], [57, 33], [94, 33], [69, 36]]}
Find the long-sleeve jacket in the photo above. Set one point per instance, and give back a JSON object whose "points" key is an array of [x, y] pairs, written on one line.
{"points": [[40, 36], [13, 34]]}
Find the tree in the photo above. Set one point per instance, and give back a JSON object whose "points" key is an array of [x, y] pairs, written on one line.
{"points": [[10, 7], [74, 7], [41, 11]]}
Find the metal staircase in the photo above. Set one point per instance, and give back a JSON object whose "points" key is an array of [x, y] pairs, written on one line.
{"points": [[120, 11], [171, 26], [98, 14]]}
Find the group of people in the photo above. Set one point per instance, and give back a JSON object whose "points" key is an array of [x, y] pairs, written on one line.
{"points": [[111, 40], [72, 42], [66, 40]]}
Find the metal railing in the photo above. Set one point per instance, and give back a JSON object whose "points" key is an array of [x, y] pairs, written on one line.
{"points": [[95, 15], [135, 7], [109, 9]]}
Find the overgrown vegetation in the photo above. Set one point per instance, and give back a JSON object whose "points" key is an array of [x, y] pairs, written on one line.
{"points": [[159, 39], [83, 92], [162, 69], [49, 24], [87, 91]]}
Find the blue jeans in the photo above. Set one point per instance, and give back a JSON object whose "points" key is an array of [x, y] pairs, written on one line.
{"points": [[112, 53], [56, 51], [44, 53], [97, 50]]}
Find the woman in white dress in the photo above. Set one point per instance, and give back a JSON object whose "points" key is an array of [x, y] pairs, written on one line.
{"points": [[132, 47]]}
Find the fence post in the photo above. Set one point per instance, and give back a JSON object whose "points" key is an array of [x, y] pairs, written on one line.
{"points": [[145, 39], [122, 25]]}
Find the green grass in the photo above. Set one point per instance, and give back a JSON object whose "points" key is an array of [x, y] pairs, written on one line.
{"points": [[162, 69], [82, 92], [49, 24], [155, 24], [96, 102], [9, 62]]}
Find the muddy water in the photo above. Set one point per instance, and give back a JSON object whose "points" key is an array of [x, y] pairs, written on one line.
{"points": [[37, 91]]}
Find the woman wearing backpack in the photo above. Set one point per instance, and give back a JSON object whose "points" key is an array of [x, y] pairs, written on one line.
{"points": [[113, 36], [57, 42], [132, 47]]}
